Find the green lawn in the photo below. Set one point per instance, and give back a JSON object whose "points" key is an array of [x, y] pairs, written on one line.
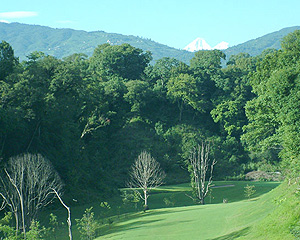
{"points": [[185, 220], [211, 221]]}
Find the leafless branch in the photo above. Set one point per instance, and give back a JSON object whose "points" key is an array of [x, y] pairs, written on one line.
{"points": [[200, 164], [145, 174], [27, 186], [69, 212]]}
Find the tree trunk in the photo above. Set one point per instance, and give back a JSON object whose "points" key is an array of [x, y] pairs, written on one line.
{"points": [[17, 222], [146, 199], [69, 213]]}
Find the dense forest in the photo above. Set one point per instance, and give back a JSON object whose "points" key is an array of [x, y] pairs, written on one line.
{"points": [[92, 116]]}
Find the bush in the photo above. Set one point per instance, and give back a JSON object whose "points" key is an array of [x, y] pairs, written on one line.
{"points": [[264, 176], [170, 201], [36, 231], [249, 191], [87, 225]]}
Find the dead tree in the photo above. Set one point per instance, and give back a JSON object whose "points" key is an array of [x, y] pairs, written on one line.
{"points": [[145, 174], [10, 199], [68, 210], [26, 187], [201, 167]]}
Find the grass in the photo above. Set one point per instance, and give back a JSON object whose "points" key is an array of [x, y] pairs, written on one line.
{"points": [[183, 219], [284, 219], [211, 221]]}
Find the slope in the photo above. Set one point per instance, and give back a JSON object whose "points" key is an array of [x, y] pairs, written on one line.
{"points": [[60, 43], [212, 221], [270, 216], [256, 46]]}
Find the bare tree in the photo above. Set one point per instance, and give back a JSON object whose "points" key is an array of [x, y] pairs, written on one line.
{"points": [[27, 186], [69, 212], [145, 174], [201, 168]]}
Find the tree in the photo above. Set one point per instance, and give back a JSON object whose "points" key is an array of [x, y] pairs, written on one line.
{"points": [[183, 90], [123, 60], [161, 72], [145, 174], [68, 210], [200, 165], [138, 93], [7, 60], [274, 114], [27, 185], [235, 91]]}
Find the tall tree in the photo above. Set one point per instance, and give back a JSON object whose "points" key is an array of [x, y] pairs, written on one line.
{"points": [[7, 60], [274, 114]]}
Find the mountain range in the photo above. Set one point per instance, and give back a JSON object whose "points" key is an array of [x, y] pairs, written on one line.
{"points": [[60, 43], [201, 44]]}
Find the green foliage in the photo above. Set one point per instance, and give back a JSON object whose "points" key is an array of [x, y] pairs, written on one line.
{"points": [[249, 191], [7, 60], [105, 209], [53, 225], [8, 232], [36, 231], [273, 115], [122, 60], [256, 46], [87, 225], [130, 197], [89, 113]]}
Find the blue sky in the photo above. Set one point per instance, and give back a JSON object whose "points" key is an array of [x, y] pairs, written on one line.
{"points": [[175, 23]]}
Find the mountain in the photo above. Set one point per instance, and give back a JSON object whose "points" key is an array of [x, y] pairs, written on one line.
{"points": [[201, 44], [221, 46], [197, 44], [60, 43], [256, 46]]}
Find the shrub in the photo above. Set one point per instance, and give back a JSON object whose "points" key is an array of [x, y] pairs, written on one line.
{"points": [[170, 201], [249, 191], [87, 225]]}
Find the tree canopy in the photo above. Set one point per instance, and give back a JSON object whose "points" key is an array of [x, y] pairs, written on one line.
{"points": [[88, 115]]}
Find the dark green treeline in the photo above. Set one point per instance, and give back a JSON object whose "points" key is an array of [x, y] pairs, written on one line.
{"points": [[91, 117]]}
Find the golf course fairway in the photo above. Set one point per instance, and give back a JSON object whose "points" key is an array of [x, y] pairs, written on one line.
{"points": [[235, 220]]}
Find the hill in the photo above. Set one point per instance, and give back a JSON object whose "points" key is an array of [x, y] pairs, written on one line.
{"points": [[256, 46], [60, 43]]}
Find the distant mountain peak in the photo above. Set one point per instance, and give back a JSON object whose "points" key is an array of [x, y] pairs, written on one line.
{"points": [[201, 44], [197, 44], [221, 46]]}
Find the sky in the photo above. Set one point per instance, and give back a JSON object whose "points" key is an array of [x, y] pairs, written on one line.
{"points": [[175, 23]]}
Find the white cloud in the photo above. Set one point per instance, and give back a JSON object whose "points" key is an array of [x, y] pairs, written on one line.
{"points": [[4, 21], [20, 14]]}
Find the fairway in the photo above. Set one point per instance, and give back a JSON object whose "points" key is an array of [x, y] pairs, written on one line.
{"points": [[211, 221]]}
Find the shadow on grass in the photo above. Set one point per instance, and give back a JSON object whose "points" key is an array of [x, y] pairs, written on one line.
{"points": [[233, 235], [127, 226], [135, 222]]}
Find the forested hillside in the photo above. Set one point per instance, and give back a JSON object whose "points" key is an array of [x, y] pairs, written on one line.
{"points": [[91, 117], [256, 46], [61, 43]]}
